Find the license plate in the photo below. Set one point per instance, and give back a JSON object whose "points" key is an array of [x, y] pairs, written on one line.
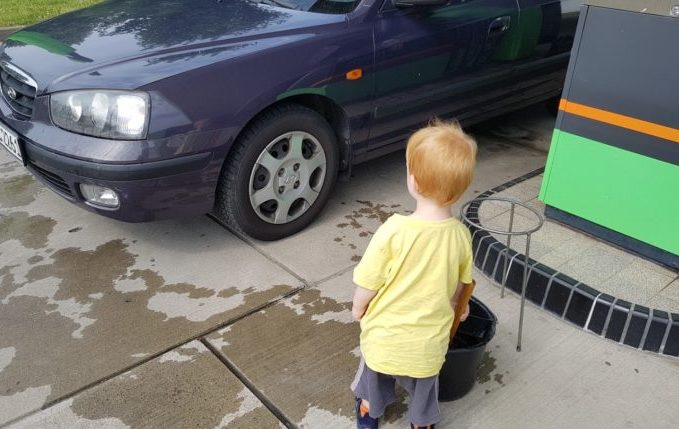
{"points": [[10, 141]]}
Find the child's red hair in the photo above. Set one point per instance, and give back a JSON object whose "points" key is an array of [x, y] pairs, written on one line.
{"points": [[441, 157]]}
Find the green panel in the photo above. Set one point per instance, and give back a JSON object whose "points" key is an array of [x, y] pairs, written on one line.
{"points": [[620, 190], [47, 43]]}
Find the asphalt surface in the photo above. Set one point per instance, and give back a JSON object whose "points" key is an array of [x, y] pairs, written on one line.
{"points": [[183, 324]]}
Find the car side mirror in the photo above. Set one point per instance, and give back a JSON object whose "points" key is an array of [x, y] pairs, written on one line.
{"points": [[418, 3]]}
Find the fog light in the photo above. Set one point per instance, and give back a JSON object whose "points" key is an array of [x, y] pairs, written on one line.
{"points": [[100, 196]]}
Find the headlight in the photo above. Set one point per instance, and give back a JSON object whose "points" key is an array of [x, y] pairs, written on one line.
{"points": [[109, 114]]}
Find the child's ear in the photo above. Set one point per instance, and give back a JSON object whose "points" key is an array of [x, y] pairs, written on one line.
{"points": [[413, 183], [417, 186]]}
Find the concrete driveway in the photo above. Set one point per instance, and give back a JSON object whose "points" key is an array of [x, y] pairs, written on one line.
{"points": [[182, 324]]}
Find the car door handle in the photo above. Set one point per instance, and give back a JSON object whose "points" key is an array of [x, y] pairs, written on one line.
{"points": [[499, 25]]}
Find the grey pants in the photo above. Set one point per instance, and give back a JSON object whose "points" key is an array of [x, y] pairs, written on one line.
{"points": [[379, 390]]}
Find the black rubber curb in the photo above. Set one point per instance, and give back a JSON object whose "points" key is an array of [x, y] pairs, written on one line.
{"points": [[615, 319]]}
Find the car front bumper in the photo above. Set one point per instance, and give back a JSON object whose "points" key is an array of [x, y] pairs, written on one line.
{"points": [[147, 191], [148, 188]]}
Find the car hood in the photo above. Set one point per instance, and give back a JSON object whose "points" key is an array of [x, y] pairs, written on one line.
{"points": [[129, 43]]}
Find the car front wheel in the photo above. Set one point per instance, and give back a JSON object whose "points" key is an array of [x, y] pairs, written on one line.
{"points": [[279, 175]]}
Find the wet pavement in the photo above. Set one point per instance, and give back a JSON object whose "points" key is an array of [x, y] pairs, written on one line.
{"points": [[180, 323], [186, 387]]}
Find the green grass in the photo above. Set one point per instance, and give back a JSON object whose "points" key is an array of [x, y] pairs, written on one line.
{"points": [[24, 12]]}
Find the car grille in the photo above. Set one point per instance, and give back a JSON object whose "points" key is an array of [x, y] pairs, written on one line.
{"points": [[18, 89], [53, 181]]}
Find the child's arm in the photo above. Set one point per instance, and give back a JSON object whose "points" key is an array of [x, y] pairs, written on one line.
{"points": [[362, 298], [466, 266], [456, 298]]}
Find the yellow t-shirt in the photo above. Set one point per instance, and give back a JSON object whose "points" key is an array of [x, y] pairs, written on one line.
{"points": [[414, 265]]}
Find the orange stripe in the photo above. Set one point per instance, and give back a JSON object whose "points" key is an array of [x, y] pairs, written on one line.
{"points": [[622, 121]]}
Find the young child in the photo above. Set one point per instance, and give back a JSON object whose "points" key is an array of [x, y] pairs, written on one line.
{"points": [[410, 278]]}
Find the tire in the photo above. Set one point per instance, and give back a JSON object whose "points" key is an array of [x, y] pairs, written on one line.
{"points": [[261, 165]]}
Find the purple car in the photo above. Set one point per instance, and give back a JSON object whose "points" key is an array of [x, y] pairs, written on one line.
{"points": [[251, 110]]}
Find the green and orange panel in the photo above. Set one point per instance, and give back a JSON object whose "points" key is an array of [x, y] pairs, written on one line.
{"points": [[613, 167]]}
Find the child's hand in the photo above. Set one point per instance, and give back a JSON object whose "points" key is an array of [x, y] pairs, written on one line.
{"points": [[464, 315], [357, 313]]}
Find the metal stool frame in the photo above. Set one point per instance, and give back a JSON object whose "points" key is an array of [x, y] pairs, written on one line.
{"points": [[510, 232]]}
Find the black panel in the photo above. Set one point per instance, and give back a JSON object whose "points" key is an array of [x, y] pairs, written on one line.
{"points": [[515, 276], [491, 258], [499, 271], [537, 283], [574, 52], [672, 344], [637, 325], [482, 248], [559, 291], [618, 320], [476, 237], [656, 332], [632, 75], [600, 313], [581, 304]]}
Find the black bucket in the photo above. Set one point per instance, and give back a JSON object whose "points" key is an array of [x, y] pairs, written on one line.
{"points": [[464, 356]]}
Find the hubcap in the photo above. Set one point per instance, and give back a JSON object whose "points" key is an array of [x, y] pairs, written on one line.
{"points": [[287, 177]]}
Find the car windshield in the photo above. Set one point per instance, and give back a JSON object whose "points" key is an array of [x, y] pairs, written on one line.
{"points": [[320, 6]]}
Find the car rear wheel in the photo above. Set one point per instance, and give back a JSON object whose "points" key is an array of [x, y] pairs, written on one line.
{"points": [[279, 174]]}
